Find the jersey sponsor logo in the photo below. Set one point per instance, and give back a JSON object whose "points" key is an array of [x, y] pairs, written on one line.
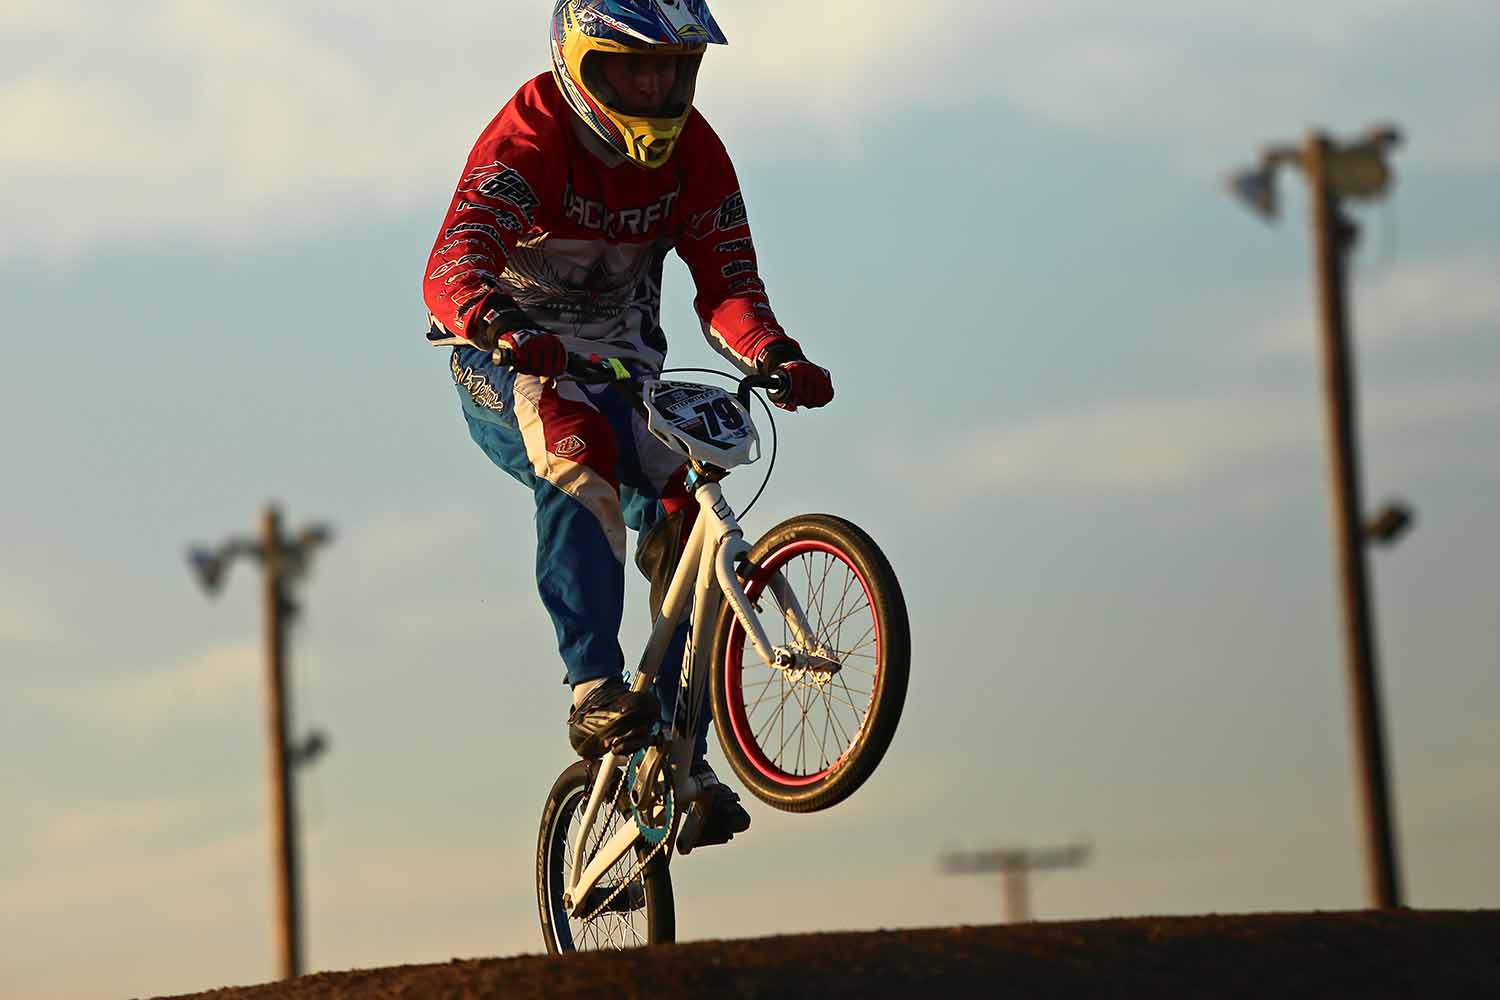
{"points": [[732, 213], [505, 219], [747, 285], [734, 246], [469, 258], [467, 298], [596, 216], [737, 267], [453, 246], [569, 446], [473, 272], [467, 293], [477, 228], [496, 180]]}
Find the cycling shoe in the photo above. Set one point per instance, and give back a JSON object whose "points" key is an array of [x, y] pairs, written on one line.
{"points": [[612, 718]]}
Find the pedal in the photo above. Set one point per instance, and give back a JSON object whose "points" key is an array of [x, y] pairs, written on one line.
{"points": [[700, 828], [692, 827]]}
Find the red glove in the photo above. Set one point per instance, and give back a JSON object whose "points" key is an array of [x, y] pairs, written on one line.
{"points": [[535, 352], [810, 385]]}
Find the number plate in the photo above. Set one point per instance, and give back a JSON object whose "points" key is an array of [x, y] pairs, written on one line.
{"points": [[707, 422]]}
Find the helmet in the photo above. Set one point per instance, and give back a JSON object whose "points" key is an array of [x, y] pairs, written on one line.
{"points": [[584, 31]]}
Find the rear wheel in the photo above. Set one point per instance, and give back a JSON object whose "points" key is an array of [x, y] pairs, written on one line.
{"points": [[805, 738], [640, 913]]}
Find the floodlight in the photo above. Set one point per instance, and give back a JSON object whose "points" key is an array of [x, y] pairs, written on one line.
{"points": [[1256, 187], [208, 566], [1387, 527]]}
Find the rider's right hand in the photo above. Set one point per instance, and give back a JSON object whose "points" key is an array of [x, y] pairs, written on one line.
{"points": [[535, 352], [504, 330]]}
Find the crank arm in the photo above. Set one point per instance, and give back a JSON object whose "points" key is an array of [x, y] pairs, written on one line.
{"points": [[613, 850]]}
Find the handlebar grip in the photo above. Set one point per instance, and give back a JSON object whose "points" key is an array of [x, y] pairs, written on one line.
{"points": [[777, 385], [580, 368], [596, 370], [782, 388]]}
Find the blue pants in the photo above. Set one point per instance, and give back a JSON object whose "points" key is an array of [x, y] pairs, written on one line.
{"points": [[593, 471]]}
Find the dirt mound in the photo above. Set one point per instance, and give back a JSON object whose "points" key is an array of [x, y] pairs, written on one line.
{"points": [[1401, 953]]}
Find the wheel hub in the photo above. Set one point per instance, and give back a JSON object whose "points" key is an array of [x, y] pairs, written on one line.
{"points": [[817, 666]]}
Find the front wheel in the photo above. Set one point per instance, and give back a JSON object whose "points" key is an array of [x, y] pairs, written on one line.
{"points": [[640, 912], [805, 737]]}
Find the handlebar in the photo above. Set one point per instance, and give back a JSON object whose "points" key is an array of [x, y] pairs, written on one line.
{"points": [[596, 370]]}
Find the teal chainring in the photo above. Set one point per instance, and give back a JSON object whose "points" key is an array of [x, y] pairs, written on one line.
{"points": [[649, 833]]}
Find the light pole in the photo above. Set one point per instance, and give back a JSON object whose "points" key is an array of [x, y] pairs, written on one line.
{"points": [[283, 561], [1334, 172], [1014, 864]]}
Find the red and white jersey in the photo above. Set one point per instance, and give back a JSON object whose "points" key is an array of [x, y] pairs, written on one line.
{"points": [[543, 214]]}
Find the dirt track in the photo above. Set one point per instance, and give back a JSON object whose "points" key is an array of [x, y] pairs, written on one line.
{"points": [[1402, 953]]}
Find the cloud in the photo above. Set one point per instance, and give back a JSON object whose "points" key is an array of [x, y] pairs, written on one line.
{"points": [[1147, 445], [219, 681], [189, 880], [25, 617], [1410, 303], [227, 120], [86, 828], [391, 541]]}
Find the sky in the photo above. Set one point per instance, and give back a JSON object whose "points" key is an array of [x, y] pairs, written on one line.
{"points": [[1078, 406]]}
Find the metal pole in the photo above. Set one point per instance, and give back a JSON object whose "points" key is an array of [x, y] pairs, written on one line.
{"points": [[1013, 886], [282, 801], [1333, 235]]}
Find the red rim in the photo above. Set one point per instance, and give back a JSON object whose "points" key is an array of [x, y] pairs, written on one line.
{"points": [[733, 667]]}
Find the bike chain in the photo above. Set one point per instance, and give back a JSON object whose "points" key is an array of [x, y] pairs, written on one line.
{"points": [[640, 866]]}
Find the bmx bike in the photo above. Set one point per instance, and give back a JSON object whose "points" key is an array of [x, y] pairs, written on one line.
{"points": [[804, 644]]}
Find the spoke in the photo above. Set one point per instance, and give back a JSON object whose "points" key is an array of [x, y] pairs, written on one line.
{"points": [[869, 634], [863, 713], [802, 744], [842, 732], [815, 592], [849, 579], [803, 708], [780, 709], [838, 623], [764, 691], [823, 740], [854, 706], [805, 725]]}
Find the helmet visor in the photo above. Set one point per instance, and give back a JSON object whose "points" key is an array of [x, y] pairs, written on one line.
{"points": [[649, 83]]}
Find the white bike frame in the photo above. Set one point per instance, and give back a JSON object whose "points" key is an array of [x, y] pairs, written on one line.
{"points": [[714, 547]]}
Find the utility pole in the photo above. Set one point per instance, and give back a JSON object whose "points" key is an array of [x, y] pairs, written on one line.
{"points": [[283, 561], [1334, 172], [1014, 865]]}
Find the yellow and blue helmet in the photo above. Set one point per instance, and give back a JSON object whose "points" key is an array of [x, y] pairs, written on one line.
{"points": [[584, 30]]}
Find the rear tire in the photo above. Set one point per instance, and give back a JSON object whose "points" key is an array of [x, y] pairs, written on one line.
{"points": [[643, 913], [844, 721]]}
